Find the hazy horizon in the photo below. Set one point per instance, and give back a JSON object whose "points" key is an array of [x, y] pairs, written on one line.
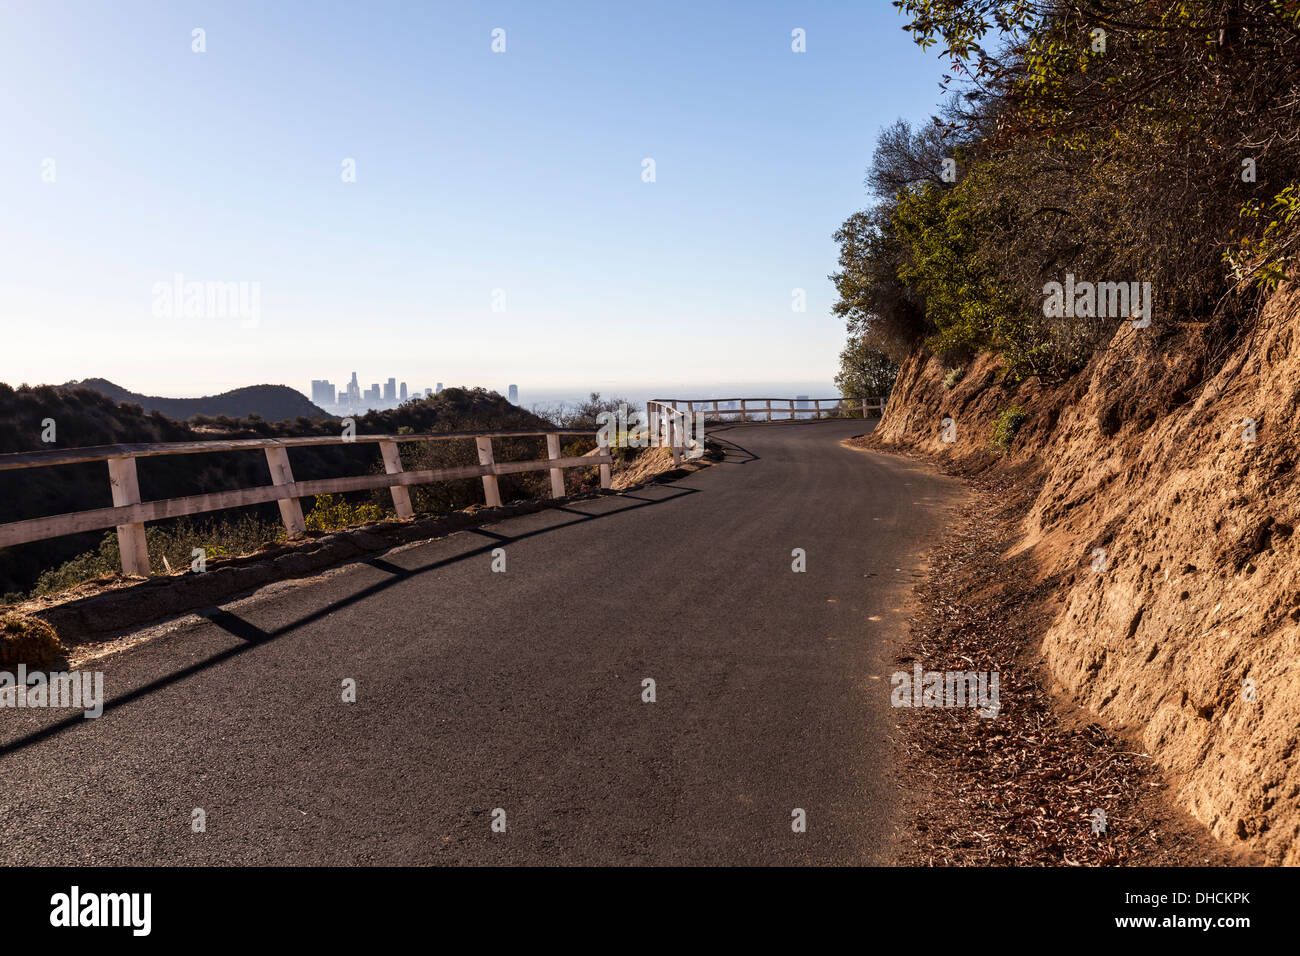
{"points": [[635, 392], [483, 214]]}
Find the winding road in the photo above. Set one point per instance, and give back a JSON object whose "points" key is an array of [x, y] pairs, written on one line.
{"points": [[523, 690]]}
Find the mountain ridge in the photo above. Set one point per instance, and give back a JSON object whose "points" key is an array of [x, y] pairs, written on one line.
{"points": [[272, 403]]}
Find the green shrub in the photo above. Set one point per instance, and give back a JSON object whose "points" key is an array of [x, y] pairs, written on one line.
{"points": [[84, 567], [1268, 259], [334, 513], [1005, 427], [866, 370], [221, 537], [171, 548], [954, 376]]}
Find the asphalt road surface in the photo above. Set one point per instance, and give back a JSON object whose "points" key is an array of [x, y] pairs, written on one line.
{"points": [[523, 691]]}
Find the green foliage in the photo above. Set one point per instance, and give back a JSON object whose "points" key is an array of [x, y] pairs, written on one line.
{"points": [[443, 496], [104, 560], [335, 512], [962, 25], [225, 536], [970, 306], [876, 304], [865, 370], [1005, 427], [1121, 142], [171, 548], [1268, 260], [955, 375]]}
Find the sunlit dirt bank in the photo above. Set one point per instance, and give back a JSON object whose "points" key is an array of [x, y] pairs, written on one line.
{"points": [[1162, 502]]}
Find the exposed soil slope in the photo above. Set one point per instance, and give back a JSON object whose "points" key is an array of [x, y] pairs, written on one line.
{"points": [[1187, 634]]}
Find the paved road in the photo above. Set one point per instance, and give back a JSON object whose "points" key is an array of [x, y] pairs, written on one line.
{"points": [[523, 691]]}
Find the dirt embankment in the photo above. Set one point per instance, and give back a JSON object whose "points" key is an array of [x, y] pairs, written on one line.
{"points": [[1163, 500]]}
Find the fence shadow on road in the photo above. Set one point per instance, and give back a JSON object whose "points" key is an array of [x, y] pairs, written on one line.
{"points": [[729, 446], [254, 636]]}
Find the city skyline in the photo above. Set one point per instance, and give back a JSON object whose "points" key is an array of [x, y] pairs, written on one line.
{"points": [[391, 393], [377, 396]]}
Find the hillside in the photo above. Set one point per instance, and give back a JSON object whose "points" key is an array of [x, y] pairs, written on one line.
{"points": [[1167, 525], [273, 403], [1085, 266], [85, 417]]}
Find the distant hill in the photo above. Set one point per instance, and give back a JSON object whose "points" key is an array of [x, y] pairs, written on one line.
{"points": [[274, 403]]}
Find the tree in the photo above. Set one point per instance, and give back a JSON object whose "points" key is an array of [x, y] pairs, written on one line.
{"points": [[865, 370], [873, 299]]}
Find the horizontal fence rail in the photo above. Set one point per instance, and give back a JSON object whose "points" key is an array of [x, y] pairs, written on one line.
{"points": [[764, 410], [670, 419], [129, 513], [670, 428]]}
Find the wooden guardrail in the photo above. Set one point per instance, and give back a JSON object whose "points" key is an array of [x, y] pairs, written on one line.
{"points": [[669, 418], [763, 407], [668, 428], [129, 513]]}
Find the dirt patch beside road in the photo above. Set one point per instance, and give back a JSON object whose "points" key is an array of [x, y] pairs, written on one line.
{"points": [[1041, 783], [1159, 507]]}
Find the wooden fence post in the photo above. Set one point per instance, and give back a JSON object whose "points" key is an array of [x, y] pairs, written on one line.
{"points": [[491, 492], [557, 474], [606, 478], [277, 459], [130, 537], [393, 466]]}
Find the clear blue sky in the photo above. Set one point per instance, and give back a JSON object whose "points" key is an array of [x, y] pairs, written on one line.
{"points": [[475, 171]]}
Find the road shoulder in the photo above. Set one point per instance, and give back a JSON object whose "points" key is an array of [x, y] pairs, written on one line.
{"points": [[1043, 783]]}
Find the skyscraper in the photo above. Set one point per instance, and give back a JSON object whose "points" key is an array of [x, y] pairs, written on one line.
{"points": [[322, 392], [402, 392], [514, 394], [390, 390]]}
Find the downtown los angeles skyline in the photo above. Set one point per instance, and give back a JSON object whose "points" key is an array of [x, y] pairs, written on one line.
{"points": [[607, 184]]}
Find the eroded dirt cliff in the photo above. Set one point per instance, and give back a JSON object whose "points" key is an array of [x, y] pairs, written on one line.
{"points": [[1164, 502]]}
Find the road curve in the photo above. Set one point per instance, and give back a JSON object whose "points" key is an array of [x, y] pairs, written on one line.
{"points": [[522, 690]]}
